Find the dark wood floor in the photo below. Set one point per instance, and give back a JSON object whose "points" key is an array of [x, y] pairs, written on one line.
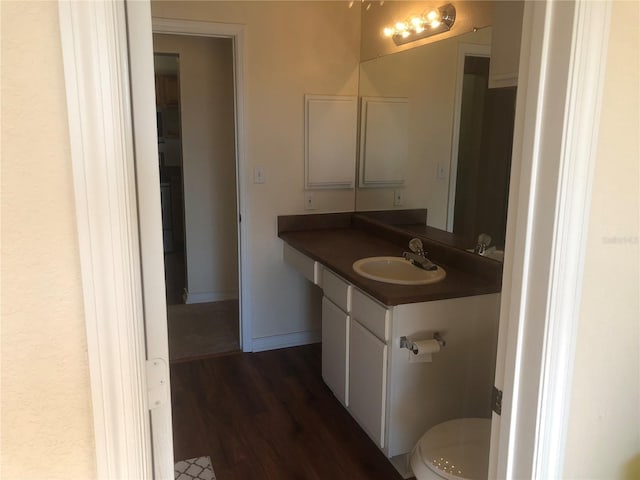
{"points": [[269, 416]]}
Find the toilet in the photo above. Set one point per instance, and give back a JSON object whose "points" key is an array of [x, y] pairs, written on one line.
{"points": [[457, 449]]}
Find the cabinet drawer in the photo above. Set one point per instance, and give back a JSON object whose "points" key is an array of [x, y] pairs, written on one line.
{"points": [[308, 267], [371, 314], [336, 290]]}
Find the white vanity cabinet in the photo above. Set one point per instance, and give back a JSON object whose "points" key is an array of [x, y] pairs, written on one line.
{"points": [[368, 381], [336, 305], [394, 395], [368, 349]]}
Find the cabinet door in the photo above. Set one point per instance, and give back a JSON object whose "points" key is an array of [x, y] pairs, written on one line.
{"points": [[367, 381], [335, 334], [505, 44]]}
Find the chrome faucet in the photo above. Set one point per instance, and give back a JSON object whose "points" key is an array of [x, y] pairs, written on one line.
{"points": [[418, 256], [484, 241]]}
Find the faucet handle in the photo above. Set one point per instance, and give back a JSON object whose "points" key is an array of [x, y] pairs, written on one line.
{"points": [[484, 240], [415, 245]]}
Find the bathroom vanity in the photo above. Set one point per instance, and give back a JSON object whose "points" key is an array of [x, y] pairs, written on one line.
{"points": [[394, 394]]}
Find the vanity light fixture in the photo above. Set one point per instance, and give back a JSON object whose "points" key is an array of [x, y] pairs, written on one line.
{"points": [[431, 22]]}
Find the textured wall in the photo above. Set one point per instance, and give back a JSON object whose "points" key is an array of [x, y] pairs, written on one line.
{"points": [[47, 429], [604, 423]]}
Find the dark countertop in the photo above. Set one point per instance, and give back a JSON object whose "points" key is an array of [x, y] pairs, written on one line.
{"points": [[338, 248]]}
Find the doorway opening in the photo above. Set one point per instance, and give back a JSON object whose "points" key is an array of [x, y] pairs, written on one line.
{"points": [[479, 190], [195, 110]]}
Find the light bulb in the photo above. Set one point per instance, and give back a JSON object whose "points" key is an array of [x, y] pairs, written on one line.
{"points": [[400, 26], [416, 22], [435, 24], [405, 33], [419, 29], [388, 32], [432, 15]]}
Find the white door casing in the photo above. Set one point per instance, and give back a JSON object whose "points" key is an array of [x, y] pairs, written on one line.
{"points": [[94, 48], [559, 93], [143, 104], [237, 34], [564, 46]]}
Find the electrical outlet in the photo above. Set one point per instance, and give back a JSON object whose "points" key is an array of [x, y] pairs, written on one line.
{"points": [[308, 201], [258, 175], [398, 197]]}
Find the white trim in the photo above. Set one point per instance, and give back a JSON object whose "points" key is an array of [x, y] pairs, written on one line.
{"points": [[94, 47], [564, 44], [287, 340], [502, 80], [150, 221], [586, 82], [237, 34], [464, 50], [205, 297]]}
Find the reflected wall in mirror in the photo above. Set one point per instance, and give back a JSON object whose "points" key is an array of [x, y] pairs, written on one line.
{"points": [[472, 187]]}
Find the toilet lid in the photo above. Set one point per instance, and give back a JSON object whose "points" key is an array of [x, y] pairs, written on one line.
{"points": [[457, 449]]}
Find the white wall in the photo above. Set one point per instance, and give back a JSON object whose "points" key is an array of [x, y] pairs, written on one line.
{"points": [[427, 77], [47, 426], [208, 157], [292, 48], [604, 423]]}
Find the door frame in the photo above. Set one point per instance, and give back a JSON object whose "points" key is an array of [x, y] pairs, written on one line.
{"points": [[561, 78], [565, 49], [464, 50], [236, 33]]}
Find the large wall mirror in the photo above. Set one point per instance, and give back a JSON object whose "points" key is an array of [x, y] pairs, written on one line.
{"points": [[449, 148]]}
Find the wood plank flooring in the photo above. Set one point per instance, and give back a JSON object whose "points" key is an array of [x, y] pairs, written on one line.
{"points": [[269, 415]]}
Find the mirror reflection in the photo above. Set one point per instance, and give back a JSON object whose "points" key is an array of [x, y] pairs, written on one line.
{"points": [[449, 148]]}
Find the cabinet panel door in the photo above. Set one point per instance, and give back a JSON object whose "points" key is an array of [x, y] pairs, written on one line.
{"points": [[367, 381], [335, 340]]}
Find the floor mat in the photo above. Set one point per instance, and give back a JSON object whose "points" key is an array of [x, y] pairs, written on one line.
{"points": [[198, 468]]}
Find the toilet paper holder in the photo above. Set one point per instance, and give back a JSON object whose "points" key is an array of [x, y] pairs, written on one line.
{"points": [[406, 343]]}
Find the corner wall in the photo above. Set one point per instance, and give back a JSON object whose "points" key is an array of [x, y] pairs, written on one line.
{"points": [[47, 422]]}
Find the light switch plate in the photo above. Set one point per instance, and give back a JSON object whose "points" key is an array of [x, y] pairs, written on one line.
{"points": [[258, 175], [441, 172]]}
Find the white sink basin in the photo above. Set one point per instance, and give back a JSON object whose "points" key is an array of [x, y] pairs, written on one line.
{"points": [[396, 270]]}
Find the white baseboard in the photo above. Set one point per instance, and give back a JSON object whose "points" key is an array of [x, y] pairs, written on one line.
{"points": [[288, 340], [208, 297]]}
